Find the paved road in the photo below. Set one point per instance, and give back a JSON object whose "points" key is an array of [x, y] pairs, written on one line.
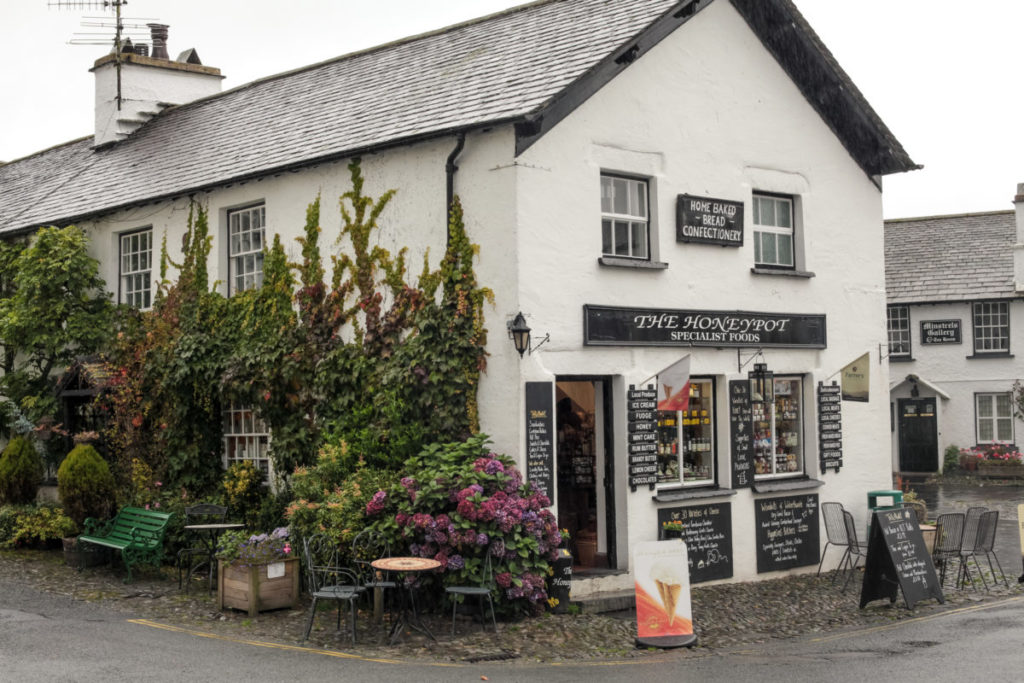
{"points": [[54, 639]]}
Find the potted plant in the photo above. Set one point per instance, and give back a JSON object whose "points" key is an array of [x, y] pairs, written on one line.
{"points": [[672, 528], [1002, 461], [256, 572], [968, 459]]}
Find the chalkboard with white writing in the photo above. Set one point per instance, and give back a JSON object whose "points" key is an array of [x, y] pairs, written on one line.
{"points": [[740, 417], [707, 532], [540, 450], [898, 559], [786, 532]]}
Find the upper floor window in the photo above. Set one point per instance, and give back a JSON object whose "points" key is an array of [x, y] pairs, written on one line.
{"points": [[899, 331], [246, 228], [773, 231], [995, 418], [625, 221], [136, 266], [991, 327]]}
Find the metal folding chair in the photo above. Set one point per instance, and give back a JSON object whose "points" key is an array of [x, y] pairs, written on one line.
{"points": [[969, 545], [835, 531], [367, 546], [855, 549], [949, 534], [482, 591], [987, 542], [328, 581], [203, 513]]}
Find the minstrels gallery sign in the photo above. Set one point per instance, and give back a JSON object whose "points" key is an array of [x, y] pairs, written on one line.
{"points": [[709, 221], [615, 326]]}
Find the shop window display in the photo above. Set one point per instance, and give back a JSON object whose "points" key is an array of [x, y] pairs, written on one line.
{"points": [[777, 428], [686, 439]]}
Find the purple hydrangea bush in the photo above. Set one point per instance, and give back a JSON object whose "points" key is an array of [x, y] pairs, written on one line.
{"points": [[459, 503]]}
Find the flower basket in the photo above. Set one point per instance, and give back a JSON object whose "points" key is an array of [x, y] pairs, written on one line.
{"points": [[1001, 470], [259, 587]]}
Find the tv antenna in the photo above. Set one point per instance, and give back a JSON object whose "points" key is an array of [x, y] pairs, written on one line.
{"points": [[121, 41]]}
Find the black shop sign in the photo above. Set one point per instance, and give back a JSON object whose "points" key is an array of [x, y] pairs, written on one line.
{"points": [[898, 560], [707, 532], [618, 326], [642, 405], [830, 426], [706, 220], [940, 332], [740, 417], [540, 453], [786, 532]]}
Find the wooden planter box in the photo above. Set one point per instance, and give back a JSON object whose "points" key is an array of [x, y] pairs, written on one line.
{"points": [[1000, 471], [252, 590]]}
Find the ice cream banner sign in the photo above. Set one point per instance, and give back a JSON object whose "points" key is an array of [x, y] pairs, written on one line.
{"points": [[663, 612]]}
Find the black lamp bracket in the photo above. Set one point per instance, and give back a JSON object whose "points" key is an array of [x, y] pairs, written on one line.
{"points": [[740, 363]]}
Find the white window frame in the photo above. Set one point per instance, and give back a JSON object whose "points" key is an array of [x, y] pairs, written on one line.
{"points": [[246, 439], [898, 326], [246, 238], [135, 268], [991, 323], [798, 392], [771, 227], [708, 445], [996, 418], [636, 219]]}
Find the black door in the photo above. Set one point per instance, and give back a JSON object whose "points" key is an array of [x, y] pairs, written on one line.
{"points": [[919, 438]]}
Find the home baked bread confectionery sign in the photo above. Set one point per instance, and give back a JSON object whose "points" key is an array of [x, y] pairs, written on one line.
{"points": [[662, 579]]}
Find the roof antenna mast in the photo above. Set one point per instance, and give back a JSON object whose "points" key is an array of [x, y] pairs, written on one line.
{"points": [[122, 39]]}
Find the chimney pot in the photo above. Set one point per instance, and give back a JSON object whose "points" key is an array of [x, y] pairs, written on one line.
{"points": [[158, 33]]}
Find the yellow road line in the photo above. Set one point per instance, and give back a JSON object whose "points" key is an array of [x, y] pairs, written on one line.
{"points": [[903, 622]]}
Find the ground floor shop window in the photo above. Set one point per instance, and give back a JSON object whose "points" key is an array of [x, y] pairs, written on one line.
{"points": [[246, 438], [686, 439], [778, 431], [995, 418]]}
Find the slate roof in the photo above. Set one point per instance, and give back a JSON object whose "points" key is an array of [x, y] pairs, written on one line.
{"points": [[964, 257], [516, 66]]}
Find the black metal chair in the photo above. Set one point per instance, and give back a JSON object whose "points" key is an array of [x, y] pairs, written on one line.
{"points": [[969, 545], [987, 542], [855, 550], [328, 581], [367, 546], [835, 531], [204, 513], [481, 591], [949, 534]]}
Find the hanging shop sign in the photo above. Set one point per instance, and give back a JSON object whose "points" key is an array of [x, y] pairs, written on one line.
{"points": [[642, 405], [830, 426], [618, 326], [540, 454], [898, 560], [940, 332], [707, 220], [740, 433], [707, 532], [786, 532]]}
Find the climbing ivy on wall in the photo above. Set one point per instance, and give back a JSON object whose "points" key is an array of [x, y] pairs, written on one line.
{"points": [[371, 359]]}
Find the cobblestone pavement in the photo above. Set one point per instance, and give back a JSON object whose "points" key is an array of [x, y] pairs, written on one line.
{"points": [[724, 616]]}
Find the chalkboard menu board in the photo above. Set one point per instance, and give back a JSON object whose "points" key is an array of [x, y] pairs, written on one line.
{"points": [[786, 532], [540, 453], [830, 426], [898, 559], [707, 532], [642, 405], [740, 434]]}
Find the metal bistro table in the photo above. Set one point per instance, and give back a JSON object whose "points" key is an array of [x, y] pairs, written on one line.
{"points": [[209, 534], [407, 612]]}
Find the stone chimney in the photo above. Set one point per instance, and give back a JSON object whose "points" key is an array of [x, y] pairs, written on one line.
{"points": [[1018, 248], [132, 88]]}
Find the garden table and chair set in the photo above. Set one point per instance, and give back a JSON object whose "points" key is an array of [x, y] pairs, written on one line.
{"points": [[959, 538]]}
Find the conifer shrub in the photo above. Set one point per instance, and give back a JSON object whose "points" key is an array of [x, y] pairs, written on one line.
{"points": [[21, 471], [85, 485]]}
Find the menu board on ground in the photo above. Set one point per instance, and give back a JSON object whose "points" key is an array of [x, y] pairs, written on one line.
{"points": [[830, 426], [707, 532], [898, 559], [540, 453], [642, 405], [786, 532], [740, 434]]}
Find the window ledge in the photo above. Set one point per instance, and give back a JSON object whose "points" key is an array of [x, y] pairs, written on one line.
{"points": [[785, 272], [676, 494], [787, 485], [619, 262], [901, 359], [977, 356]]}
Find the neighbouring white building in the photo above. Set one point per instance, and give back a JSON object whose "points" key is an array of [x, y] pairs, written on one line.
{"points": [[955, 288], [646, 179]]}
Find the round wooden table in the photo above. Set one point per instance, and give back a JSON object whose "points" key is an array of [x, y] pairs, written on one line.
{"points": [[407, 615]]}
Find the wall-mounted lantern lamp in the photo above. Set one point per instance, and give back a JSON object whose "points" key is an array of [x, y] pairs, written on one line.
{"points": [[762, 384], [519, 333]]}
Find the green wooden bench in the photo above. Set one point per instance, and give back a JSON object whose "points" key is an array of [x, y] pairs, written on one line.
{"points": [[136, 532]]}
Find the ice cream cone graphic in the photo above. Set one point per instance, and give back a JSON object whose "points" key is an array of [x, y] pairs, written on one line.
{"points": [[669, 583]]}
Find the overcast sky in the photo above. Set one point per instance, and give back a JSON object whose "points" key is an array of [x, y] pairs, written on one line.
{"points": [[944, 75]]}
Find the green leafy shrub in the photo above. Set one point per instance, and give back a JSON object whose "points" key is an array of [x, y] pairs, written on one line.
{"points": [[28, 525], [951, 458], [243, 492], [21, 470], [85, 485]]}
